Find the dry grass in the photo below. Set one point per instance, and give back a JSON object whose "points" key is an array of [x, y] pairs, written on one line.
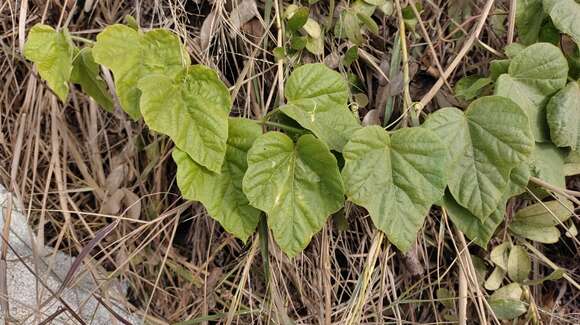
{"points": [[66, 161]]}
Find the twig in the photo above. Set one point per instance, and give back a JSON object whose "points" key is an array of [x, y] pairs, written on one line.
{"points": [[407, 101], [466, 47], [511, 22], [554, 188]]}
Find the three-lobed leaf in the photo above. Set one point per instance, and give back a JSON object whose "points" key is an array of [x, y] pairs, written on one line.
{"points": [[192, 108], [534, 74], [317, 99], [563, 114], [485, 143], [298, 185], [396, 178], [132, 55], [221, 193], [52, 51]]}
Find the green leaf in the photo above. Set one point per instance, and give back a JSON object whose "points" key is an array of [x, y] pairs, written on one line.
{"points": [[132, 55], [222, 194], [513, 49], [563, 115], [349, 26], [555, 275], [565, 15], [470, 87], [495, 279], [500, 255], [395, 178], [350, 55], [506, 303], [537, 222], [534, 74], [529, 17], [497, 68], [298, 18], [52, 53], [485, 144], [369, 23], [315, 45], [547, 163], [297, 185], [317, 99], [312, 28], [480, 232], [519, 264], [85, 72], [192, 109]]}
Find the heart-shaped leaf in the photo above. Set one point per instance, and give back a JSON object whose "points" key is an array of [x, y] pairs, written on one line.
{"points": [[396, 178], [221, 194], [565, 15], [563, 114], [297, 185], [132, 54], [534, 74], [85, 72], [317, 99], [52, 52], [485, 144], [192, 109]]}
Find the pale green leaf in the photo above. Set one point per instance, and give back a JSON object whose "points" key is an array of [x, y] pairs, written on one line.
{"points": [[132, 55], [221, 194], [85, 72], [563, 114], [192, 109], [549, 213], [396, 178], [555, 275], [52, 53], [507, 308], [497, 68], [519, 264], [545, 234], [513, 49], [534, 74], [495, 279], [506, 303], [485, 144], [565, 15], [312, 28], [297, 185], [470, 87], [315, 45], [317, 99], [500, 255], [529, 17], [547, 163]]}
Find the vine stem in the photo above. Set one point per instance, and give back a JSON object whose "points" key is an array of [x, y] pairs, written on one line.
{"points": [[82, 39], [407, 101], [281, 126]]}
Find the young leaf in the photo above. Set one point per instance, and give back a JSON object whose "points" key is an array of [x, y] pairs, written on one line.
{"points": [[395, 178], [192, 109], [563, 114], [317, 99], [297, 185], [529, 17], [469, 87], [534, 74], [519, 264], [85, 72], [537, 222], [565, 15], [222, 194], [485, 144], [132, 55], [52, 52], [497, 68], [495, 279], [506, 303], [500, 255], [547, 163], [297, 18]]}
